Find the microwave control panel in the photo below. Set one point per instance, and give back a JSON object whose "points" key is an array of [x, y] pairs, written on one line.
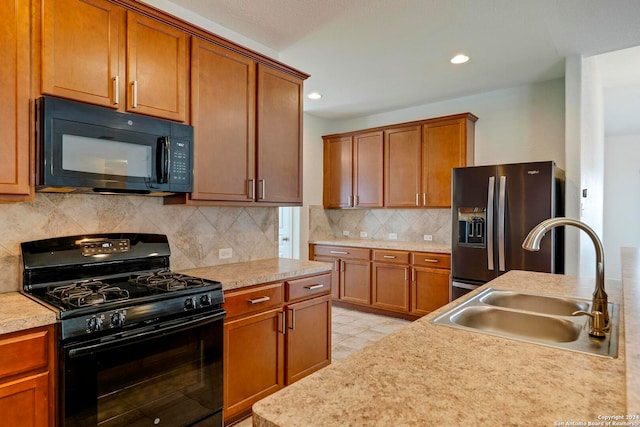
{"points": [[180, 159]]}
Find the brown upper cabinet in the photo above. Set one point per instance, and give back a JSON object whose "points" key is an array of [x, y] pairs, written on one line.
{"points": [[353, 170], [279, 137], [223, 97], [14, 108], [416, 171], [248, 130], [338, 176], [446, 144], [98, 52]]}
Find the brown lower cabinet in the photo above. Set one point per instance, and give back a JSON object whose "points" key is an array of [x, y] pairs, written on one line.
{"points": [[393, 282], [430, 282], [27, 392], [390, 282], [274, 335]]}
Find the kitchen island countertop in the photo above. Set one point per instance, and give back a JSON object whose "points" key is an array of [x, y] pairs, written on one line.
{"points": [[427, 374], [249, 273], [387, 244], [19, 312]]}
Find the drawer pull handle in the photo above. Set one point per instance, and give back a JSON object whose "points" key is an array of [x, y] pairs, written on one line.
{"points": [[431, 260], [389, 257], [312, 287], [259, 300], [339, 252]]}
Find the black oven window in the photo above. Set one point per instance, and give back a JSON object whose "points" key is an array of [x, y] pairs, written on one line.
{"points": [[171, 380]]}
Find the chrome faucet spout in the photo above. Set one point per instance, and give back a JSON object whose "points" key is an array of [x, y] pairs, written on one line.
{"points": [[532, 243]]}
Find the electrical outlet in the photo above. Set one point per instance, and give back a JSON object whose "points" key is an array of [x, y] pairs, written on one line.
{"points": [[428, 237], [345, 233], [225, 253], [363, 234], [393, 236]]}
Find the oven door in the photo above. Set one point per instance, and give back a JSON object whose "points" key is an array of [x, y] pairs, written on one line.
{"points": [[167, 375]]}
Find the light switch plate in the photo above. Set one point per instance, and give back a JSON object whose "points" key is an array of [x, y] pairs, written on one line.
{"points": [[225, 253]]}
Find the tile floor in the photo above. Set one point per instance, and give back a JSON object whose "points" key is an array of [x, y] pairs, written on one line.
{"points": [[350, 331]]}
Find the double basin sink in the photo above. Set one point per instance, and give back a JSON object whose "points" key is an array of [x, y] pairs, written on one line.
{"points": [[534, 318]]}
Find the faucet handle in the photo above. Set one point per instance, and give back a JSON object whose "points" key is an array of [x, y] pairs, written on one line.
{"points": [[597, 328]]}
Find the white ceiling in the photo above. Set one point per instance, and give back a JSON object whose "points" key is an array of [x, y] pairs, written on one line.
{"points": [[369, 56]]}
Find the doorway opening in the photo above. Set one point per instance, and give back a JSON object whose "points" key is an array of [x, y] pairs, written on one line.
{"points": [[289, 232]]}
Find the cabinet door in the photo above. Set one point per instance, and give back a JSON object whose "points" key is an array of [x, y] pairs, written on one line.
{"points": [[308, 337], [253, 360], [83, 50], [402, 167], [368, 170], [430, 289], [390, 287], [335, 274], [14, 108], [24, 402], [338, 176], [279, 133], [223, 115], [156, 68], [355, 281], [444, 149]]}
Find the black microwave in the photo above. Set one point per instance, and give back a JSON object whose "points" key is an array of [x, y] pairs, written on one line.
{"points": [[85, 148]]}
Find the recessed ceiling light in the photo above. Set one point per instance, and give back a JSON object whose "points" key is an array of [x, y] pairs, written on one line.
{"points": [[314, 95], [459, 59]]}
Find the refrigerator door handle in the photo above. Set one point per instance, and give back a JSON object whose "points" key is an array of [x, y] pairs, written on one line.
{"points": [[501, 222], [490, 202]]}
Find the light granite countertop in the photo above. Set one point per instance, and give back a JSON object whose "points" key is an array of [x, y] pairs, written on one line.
{"points": [[242, 274], [19, 312], [387, 244], [432, 375]]}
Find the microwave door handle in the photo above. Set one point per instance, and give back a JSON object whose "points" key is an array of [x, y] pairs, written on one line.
{"points": [[162, 159]]}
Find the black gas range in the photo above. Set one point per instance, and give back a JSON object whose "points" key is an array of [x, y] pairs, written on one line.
{"points": [[138, 342]]}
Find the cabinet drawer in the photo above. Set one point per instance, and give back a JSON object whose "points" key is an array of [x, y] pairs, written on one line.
{"points": [[342, 252], [252, 300], [23, 352], [308, 286], [394, 257], [429, 259]]}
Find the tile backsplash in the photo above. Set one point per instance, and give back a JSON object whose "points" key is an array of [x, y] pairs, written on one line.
{"points": [[195, 233], [409, 225]]}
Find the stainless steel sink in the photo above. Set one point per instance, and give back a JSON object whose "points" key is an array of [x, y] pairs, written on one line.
{"points": [[515, 323], [536, 303], [533, 318]]}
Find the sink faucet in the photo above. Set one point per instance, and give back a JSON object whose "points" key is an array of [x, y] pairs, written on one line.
{"points": [[532, 243]]}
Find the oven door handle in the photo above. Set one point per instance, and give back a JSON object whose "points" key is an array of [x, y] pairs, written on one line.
{"points": [[143, 334]]}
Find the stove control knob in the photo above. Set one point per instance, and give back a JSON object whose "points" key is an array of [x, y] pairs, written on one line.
{"points": [[117, 319], [94, 324], [205, 300], [189, 303]]}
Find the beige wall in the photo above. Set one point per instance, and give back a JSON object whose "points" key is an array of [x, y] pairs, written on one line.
{"points": [[195, 233]]}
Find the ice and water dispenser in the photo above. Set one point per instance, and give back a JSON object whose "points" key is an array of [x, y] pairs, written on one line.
{"points": [[472, 230]]}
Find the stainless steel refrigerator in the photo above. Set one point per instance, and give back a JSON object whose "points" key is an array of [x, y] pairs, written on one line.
{"points": [[493, 210]]}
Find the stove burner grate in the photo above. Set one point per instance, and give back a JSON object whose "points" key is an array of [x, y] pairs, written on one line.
{"points": [[82, 294], [166, 281]]}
